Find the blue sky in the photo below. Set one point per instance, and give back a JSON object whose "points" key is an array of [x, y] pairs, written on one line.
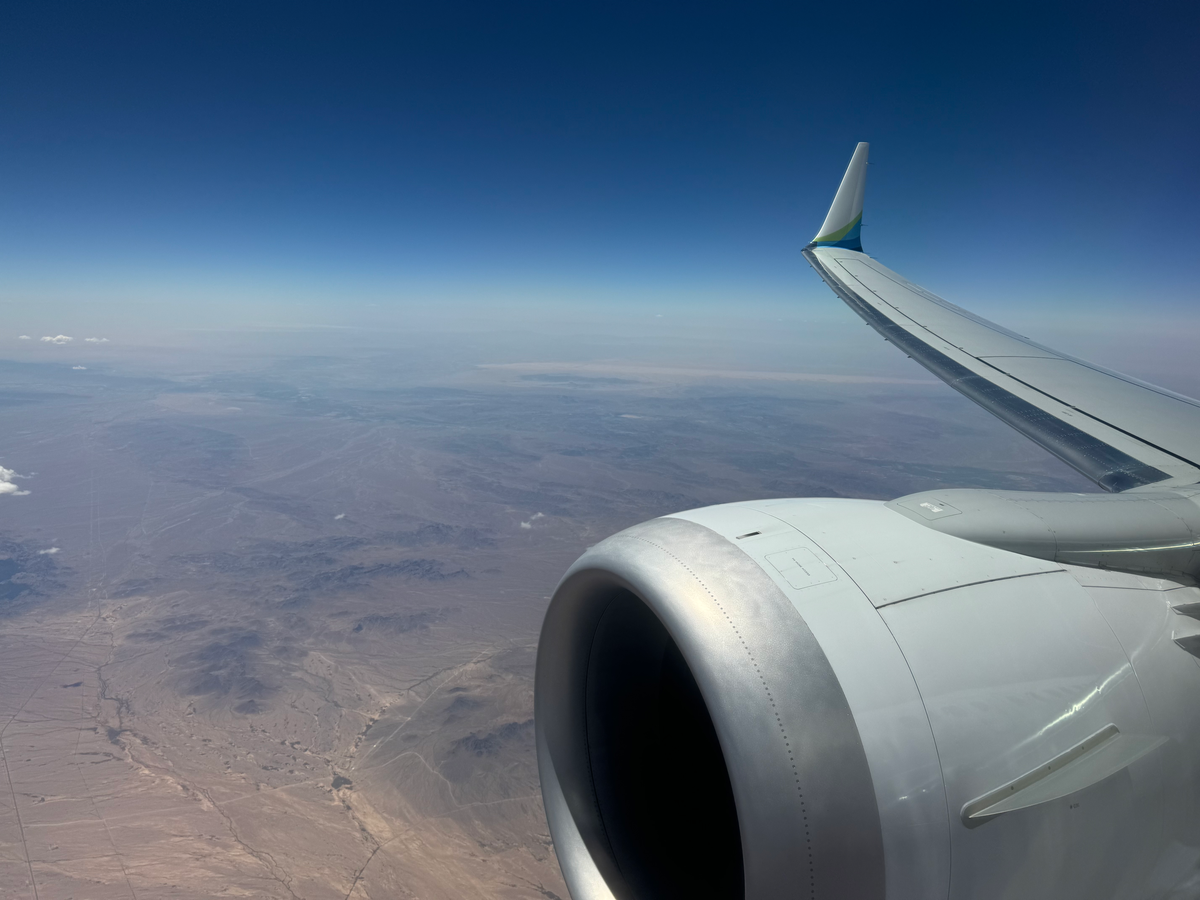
{"points": [[332, 155]]}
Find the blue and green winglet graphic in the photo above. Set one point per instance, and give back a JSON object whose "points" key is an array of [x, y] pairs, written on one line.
{"points": [[843, 223], [848, 237]]}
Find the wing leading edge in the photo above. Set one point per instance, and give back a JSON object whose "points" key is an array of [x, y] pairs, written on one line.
{"points": [[1119, 432]]}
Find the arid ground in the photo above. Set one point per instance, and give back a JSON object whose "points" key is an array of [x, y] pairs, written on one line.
{"points": [[268, 617]]}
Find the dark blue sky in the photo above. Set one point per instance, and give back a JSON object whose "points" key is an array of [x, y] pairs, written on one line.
{"points": [[336, 152]]}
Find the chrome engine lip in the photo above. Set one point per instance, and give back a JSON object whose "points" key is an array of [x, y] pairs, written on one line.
{"points": [[806, 805]]}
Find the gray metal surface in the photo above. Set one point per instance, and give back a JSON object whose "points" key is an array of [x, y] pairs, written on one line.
{"points": [[1191, 608], [905, 711], [1013, 673], [1138, 609], [872, 671], [1095, 758], [1154, 532], [889, 557], [805, 802], [960, 694], [1116, 430]]}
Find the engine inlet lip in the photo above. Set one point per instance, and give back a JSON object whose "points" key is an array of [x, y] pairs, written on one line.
{"points": [[805, 803]]}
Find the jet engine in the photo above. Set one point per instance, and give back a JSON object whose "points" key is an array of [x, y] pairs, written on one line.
{"points": [[853, 699]]}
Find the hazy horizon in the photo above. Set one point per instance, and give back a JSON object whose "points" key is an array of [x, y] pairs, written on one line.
{"points": [[331, 335]]}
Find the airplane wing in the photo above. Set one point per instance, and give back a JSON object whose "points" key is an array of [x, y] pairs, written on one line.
{"points": [[1120, 432]]}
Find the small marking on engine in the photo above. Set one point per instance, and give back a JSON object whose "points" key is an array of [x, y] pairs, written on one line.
{"points": [[801, 568], [927, 509]]}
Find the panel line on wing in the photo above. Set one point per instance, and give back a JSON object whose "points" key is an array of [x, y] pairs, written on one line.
{"points": [[1084, 412], [906, 285], [971, 317], [1111, 468], [1055, 356]]}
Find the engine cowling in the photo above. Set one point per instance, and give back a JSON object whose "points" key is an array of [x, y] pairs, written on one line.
{"points": [[824, 698]]}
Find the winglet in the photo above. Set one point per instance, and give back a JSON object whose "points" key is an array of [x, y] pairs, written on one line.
{"points": [[844, 221]]}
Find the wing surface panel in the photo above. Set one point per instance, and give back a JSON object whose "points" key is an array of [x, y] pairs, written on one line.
{"points": [[951, 323], [1116, 430], [1153, 415]]}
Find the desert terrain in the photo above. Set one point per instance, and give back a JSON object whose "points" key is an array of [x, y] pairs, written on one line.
{"points": [[269, 616]]}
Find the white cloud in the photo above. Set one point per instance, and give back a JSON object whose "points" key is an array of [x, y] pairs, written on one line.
{"points": [[339, 516], [58, 339], [79, 367], [96, 340], [24, 337], [49, 552], [527, 525], [7, 486]]}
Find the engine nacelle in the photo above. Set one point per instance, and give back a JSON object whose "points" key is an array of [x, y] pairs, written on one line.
{"points": [[825, 698]]}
